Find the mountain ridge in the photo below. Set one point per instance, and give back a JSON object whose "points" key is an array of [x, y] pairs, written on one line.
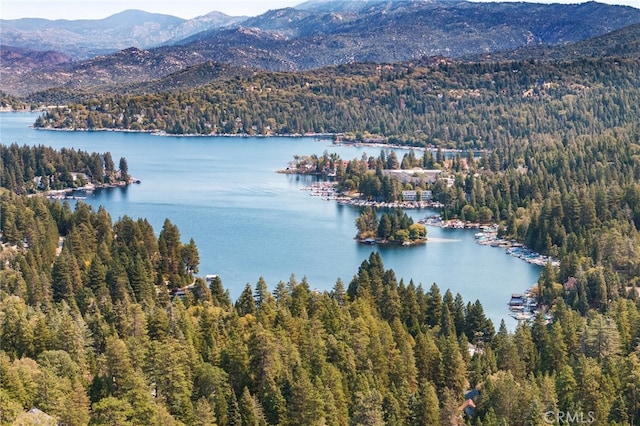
{"points": [[293, 39], [86, 38], [621, 45]]}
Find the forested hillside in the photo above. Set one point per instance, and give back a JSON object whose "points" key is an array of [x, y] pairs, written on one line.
{"points": [[96, 334], [450, 105], [10, 103], [288, 39], [110, 324], [27, 170]]}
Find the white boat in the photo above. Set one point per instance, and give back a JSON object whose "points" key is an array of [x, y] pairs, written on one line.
{"points": [[522, 316]]}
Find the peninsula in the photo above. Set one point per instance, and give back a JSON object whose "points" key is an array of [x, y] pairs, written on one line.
{"points": [[41, 170]]}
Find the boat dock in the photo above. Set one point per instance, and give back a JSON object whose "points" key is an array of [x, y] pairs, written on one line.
{"points": [[490, 237]]}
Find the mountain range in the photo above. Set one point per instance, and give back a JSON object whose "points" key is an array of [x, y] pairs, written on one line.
{"points": [[134, 46], [86, 38]]}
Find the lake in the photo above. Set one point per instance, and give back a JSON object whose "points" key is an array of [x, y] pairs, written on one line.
{"points": [[249, 221]]}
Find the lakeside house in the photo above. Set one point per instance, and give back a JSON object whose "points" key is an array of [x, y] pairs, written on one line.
{"points": [[415, 175], [410, 195]]}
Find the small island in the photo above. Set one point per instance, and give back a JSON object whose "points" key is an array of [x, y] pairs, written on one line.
{"points": [[395, 227]]}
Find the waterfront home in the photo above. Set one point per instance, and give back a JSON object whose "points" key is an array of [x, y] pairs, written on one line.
{"points": [[410, 195], [414, 175]]}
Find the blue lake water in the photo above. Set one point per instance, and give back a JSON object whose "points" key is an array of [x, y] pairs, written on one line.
{"points": [[249, 221]]}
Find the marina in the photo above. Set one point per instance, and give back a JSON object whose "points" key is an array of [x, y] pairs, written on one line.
{"points": [[524, 306], [326, 190], [489, 236]]}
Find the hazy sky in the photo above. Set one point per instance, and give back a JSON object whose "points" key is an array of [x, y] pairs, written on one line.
{"points": [[97, 9]]}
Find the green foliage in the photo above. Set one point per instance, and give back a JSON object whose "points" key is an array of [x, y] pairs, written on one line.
{"points": [[95, 325], [450, 104], [379, 351], [27, 169], [12, 102], [367, 223], [395, 226]]}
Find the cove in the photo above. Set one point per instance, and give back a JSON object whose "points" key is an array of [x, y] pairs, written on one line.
{"points": [[249, 221]]}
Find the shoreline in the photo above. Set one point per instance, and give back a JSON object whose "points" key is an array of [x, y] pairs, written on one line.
{"points": [[327, 192], [63, 194], [379, 241], [190, 135], [320, 136], [413, 205], [487, 236]]}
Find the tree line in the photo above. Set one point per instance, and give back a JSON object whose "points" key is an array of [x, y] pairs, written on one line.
{"points": [[94, 334], [452, 105], [30, 169]]}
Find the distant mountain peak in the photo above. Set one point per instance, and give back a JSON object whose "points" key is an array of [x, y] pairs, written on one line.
{"points": [[137, 13], [135, 47], [85, 38]]}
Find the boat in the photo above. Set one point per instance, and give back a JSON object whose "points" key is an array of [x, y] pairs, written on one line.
{"points": [[522, 316], [517, 302]]}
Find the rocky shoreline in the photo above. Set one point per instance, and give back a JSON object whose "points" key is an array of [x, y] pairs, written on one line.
{"points": [[327, 191], [67, 193], [380, 241]]}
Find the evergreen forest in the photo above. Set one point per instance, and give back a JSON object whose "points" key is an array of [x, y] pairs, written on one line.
{"points": [[394, 227], [106, 322], [95, 331], [28, 170], [482, 105]]}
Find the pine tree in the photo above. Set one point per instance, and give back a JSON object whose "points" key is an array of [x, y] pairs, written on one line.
{"points": [[454, 369], [245, 304], [234, 417], [304, 404], [247, 407], [434, 305], [425, 409], [367, 409], [428, 359], [204, 415], [111, 411], [124, 169], [219, 295], [172, 376]]}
